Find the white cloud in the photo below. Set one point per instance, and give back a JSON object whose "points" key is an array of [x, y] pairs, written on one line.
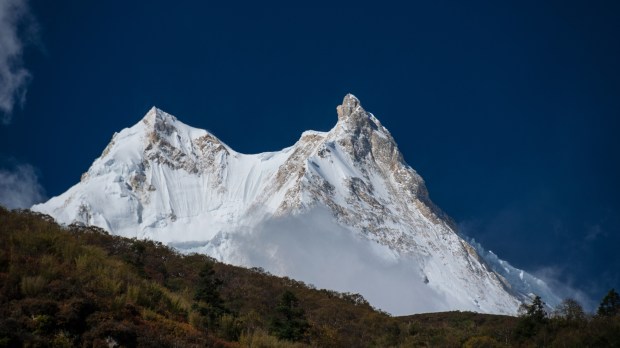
{"points": [[20, 187], [314, 248], [15, 19], [552, 275]]}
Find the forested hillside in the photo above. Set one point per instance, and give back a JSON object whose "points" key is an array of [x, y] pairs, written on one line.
{"points": [[79, 286]]}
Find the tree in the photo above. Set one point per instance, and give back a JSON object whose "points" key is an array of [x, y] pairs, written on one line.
{"points": [[207, 289], [571, 311], [289, 321], [210, 304], [610, 305], [533, 318], [536, 310]]}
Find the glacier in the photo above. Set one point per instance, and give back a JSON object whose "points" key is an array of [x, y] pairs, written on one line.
{"points": [[339, 209]]}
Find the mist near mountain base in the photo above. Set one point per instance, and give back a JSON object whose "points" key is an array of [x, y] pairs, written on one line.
{"points": [[314, 248]]}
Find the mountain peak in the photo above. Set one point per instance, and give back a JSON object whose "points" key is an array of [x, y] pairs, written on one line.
{"points": [[165, 180], [350, 107], [153, 112], [156, 116]]}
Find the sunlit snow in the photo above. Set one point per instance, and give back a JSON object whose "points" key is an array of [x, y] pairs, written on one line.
{"points": [[338, 209]]}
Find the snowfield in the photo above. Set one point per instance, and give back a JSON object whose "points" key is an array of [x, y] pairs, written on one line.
{"points": [[338, 209]]}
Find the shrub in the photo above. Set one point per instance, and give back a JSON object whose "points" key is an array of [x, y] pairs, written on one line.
{"points": [[32, 286], [260, 339], [481, 342]]}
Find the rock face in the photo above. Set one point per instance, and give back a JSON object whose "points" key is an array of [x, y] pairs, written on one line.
{"points": [[164, 180]]}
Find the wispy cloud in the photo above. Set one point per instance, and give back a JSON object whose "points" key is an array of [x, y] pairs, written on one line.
{"points": [[20, 187], [594, 232], [556, 278], [561, 280], [15, 22], [314, 248]]}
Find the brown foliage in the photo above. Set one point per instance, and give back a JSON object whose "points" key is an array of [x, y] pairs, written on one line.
{"points": [[80, 286]]}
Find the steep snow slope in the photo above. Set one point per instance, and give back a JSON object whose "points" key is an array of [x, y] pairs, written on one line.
{"points": [[164, 180]]}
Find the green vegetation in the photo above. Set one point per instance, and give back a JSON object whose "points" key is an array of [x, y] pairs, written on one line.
{"points": [[533, 318], [79, 286], [610, 306], [289, 321]]}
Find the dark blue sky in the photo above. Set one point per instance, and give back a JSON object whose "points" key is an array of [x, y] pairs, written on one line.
{"points": [[510, 110]]}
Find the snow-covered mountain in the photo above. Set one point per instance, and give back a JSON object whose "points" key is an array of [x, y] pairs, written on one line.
{"points": [[339, 209]]}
